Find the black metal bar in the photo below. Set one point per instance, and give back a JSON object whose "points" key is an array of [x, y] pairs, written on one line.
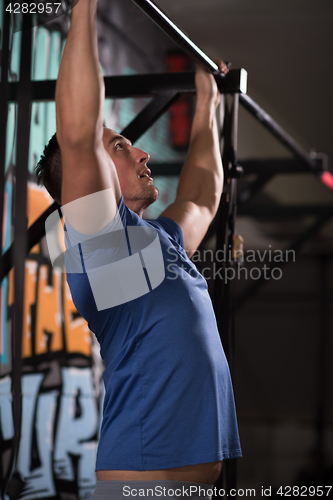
{"points": [[159, 17], [118, 87], [220, 301], [20, 227], [165, 169], [149, 115], [268, 122], [3, 116], [295, 246], [283, 165], [284, 211], [3, 141], [145, 85], [222, 296], [255, 166], [230, 470]]}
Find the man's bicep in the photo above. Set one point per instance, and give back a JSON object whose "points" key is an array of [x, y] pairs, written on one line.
{"points": [[90, 188], [193, 220]]}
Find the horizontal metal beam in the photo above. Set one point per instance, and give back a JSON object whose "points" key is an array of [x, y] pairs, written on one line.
{"points": [[256, 166], [282, 165], [284, 211], [117, 87], [144, 85], [165, 169]]}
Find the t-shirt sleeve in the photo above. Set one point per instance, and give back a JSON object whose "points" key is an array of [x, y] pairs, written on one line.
{"points": [[86, 251], [74, 237], [172, 228]]}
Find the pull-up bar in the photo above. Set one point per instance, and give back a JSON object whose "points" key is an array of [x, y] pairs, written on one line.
{"points": [[169, 27], [159, 17]]}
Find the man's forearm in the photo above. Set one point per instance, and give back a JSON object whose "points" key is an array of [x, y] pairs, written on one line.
{"points": [[80, 85], [201, 179]]}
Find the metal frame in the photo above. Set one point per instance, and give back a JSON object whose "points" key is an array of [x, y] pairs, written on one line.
{"points": [[145, 85], [15, 485], [165, 89]]}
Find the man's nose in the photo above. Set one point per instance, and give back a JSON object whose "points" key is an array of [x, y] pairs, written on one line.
{"points": [[142, 156]]}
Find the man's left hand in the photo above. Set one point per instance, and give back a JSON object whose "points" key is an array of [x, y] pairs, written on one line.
{"points": [[207, 90]]}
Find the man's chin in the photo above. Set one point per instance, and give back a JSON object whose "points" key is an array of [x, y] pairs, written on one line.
{"points": [[157, 193], [146, 199], [152, 196]]}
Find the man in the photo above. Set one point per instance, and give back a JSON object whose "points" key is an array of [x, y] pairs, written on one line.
{"points": [[169, 415]]}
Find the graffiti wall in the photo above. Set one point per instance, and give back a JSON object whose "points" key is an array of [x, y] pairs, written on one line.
{"points": [[61, 370], [61, 380]]}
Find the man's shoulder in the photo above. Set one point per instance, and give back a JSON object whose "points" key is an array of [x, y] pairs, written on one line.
{"points": [[170, 227]]}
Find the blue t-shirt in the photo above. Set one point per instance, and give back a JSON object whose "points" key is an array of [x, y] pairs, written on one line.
{"points": [[168, 394]]}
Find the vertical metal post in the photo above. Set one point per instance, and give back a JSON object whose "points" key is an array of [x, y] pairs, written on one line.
{"points": [[224, 242], [4, 88], [226, 222], [3, 143], [3, 117], [20, 227]]}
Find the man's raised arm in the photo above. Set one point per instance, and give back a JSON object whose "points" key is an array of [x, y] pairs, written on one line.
{"points": [[86, 166], [201, 181]]}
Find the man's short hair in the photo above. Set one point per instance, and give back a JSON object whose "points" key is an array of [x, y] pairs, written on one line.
{"points": [[49, 169]]}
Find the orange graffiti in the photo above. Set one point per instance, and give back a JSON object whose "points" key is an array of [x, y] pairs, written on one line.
{"points": [[29, 301], [37, 202], [50, 322]]}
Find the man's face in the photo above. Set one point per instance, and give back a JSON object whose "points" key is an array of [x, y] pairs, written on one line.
{"points": [[133, 174]]}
